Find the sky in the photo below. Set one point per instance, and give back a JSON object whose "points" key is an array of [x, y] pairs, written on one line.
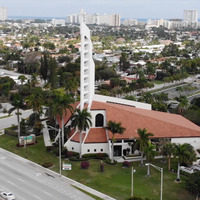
{"points": [[145, 9]]}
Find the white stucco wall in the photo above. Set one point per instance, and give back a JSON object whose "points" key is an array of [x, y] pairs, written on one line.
{"points": [[99, 147], [72, 146], [94, 113], [93, 148], [195, 142]]}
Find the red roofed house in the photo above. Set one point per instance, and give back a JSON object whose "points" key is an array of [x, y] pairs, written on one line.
{"points": [[132, 115]]}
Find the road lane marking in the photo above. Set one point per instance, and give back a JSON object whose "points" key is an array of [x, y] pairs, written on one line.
{"points": [[37, 197], [48, 193], [21, 180], [11, 183]]}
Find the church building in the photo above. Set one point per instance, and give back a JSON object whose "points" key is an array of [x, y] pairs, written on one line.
{"points": [[132, 115]]}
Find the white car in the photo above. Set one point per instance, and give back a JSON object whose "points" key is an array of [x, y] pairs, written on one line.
{"points": [[7, 195]]}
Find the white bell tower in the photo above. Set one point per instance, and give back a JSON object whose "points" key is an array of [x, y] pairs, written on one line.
{"points": [[87, 75]]}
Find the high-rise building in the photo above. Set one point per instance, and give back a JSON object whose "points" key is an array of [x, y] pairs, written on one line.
{"points": [[191, 16], [110, 20], [57, 22], [115, 20], [3, 13], [130, 22]]}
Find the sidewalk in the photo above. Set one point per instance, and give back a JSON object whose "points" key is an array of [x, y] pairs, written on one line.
{"points": [[47, 140]]}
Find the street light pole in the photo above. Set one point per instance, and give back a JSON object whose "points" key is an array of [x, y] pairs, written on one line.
{"points": [[132, 172], [59, 152], [161, 184], [60, 161], [161, 178]]}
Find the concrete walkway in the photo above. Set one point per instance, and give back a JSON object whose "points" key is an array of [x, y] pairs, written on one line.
{"points": [[47, 140]]}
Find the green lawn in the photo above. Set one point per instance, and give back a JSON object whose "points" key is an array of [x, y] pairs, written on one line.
{"points": [[157, 82], [115, 180]]}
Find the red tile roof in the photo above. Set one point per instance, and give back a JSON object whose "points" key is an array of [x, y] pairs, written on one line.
{"points": [[96, 135], [76, 137], [69, 114], [162, 125]]}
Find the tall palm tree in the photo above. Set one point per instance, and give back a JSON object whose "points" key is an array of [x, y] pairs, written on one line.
{"points": [[150, 153], [114, 128], [61, 106], [186, 154], [16, 102], [168, 150], [81, 119], [35, 100], [142, 141]]}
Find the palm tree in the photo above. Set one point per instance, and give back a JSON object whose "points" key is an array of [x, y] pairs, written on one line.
{"points": [[81, 119], [35, 100], [62, 103], [186, 155], [114, 128], [183, 104], [150, 153], [193, 184], [16, 102], [142, 141], [168, 150]]}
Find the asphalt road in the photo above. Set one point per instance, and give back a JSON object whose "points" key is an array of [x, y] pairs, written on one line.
{"points": [[28, 181], [9, 121]]}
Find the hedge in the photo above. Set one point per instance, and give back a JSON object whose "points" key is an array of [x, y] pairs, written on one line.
{"points": [[101, 156]]}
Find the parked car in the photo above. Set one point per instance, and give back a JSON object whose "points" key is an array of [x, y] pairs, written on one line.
{"points": [[7, 195]]}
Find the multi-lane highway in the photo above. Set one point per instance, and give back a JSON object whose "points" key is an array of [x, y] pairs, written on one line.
{"points": [[28, 181]]}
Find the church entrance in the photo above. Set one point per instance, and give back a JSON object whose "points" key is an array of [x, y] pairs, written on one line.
{"points": [[118, 150]]}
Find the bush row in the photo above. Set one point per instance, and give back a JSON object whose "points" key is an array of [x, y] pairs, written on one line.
{"points": [[101, 156], [109, 161], [11, 132]]}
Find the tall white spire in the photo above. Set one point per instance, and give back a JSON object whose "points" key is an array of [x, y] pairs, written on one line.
{"points": [[87, 75]]}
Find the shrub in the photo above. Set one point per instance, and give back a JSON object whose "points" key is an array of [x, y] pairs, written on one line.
{"points": [[11, 131], [64, 152], [69, 154], [47, 165], [108, 161], [72, 154], [85, 164], [56, 151], [89, 155], [49, 148], [101, 156], [126, 164]]}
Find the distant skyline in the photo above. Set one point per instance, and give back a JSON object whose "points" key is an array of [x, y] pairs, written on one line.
{"points": [[127, 8]]}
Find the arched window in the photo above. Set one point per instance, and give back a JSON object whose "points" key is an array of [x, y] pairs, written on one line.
{"points": [[99, 120]]}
